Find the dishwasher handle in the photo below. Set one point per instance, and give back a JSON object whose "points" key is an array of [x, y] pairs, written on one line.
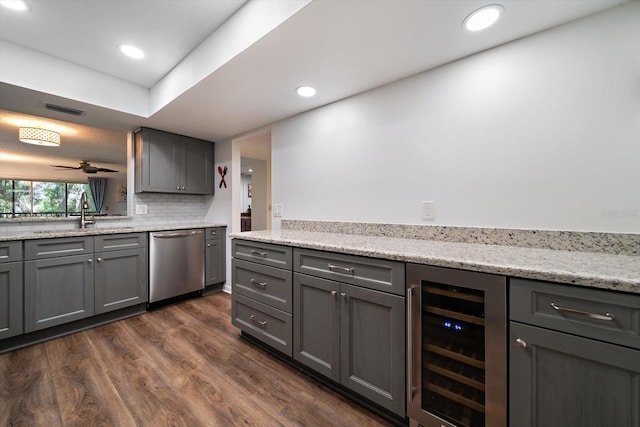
{"points": [[176, 234]]}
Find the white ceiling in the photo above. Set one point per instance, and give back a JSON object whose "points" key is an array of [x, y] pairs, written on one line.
{"points": [[340, 47]]}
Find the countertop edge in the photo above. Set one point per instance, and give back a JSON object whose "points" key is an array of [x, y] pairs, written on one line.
{"points": [[565, 267], [48, 234]]}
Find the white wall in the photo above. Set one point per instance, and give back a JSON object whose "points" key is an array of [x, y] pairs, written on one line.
{"points": [[540, 133]]}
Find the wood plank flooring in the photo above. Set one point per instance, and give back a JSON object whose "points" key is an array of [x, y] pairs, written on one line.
{"points": [[181, 365]]}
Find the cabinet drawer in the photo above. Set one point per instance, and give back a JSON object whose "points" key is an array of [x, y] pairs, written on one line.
{"points": [[65, 246], [263, 253], [271, 286], [10, 251], [379, 274], [116, 242], [214, 233], [603, 315], [270, 325]]}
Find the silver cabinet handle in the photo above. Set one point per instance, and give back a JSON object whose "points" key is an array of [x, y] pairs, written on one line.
{"points": [[333, 293], [606, 316], [259, 284], [343, 294], [411, 389], [258, 253], [213, 233], [521, 343], [337, 269], [178, 188], [208, 245], [99, 259], [257, 322], [90, 260]]}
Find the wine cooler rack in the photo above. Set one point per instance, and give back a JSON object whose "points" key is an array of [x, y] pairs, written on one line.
{"points": [[453, 353], [457, 348]]}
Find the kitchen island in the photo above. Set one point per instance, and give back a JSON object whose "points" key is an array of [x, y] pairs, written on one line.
{"points": [[557, 287]]}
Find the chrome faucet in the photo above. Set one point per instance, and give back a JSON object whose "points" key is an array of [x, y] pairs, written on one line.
{"points": [[84, 205]]}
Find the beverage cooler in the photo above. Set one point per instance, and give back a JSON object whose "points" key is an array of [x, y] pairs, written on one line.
{"points": [[456, 355]]}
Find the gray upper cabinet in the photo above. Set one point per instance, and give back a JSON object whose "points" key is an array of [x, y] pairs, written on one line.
{"points": [[170, 163], [574, 356], [352, 334], [10, 289]]}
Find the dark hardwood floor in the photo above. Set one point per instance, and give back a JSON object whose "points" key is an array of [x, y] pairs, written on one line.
{"points": [[181, 365]]}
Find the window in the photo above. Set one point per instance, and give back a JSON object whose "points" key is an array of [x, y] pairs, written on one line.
{"points": [[21, 198]]}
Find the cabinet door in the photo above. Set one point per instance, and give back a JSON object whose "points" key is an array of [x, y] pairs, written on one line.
{"points": [[121, 279], [561, 380], [316, 328], [215, 265], [10, 299], [372, 345], [57, 291], [197, 166], [158, 161]]}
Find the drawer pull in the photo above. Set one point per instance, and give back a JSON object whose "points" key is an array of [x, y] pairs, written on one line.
{"points": [[521, 343], [333, 293], [337, 269], [257, 322], [258, 253], [606, 316], [258, 284]]}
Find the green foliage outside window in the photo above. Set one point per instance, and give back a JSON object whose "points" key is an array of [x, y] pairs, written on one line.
{"points": [[20, 198]]}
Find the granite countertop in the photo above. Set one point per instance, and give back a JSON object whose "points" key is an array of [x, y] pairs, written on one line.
{"points": [[96, 231], [597, 270]]}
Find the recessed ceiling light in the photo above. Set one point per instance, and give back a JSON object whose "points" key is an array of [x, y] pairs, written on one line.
{"points": [[483, 18], [305, 91], [15, 5], [131, 51]]}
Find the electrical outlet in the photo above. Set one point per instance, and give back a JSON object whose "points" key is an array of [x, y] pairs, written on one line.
{"points": [[142, 209], [428, 210], [277, 211]]}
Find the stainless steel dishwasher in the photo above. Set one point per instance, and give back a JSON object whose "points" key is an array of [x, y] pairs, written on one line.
{"points": [[176, 263]]}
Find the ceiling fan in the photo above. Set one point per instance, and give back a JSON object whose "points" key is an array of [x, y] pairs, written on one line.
{"points": [[86, 167]]}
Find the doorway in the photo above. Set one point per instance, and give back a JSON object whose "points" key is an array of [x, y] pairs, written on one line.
{"points": [[255, 170]]}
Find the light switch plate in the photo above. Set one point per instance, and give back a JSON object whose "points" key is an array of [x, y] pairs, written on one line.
{"points": [[277, 211], [428, 210], [142, 209]]}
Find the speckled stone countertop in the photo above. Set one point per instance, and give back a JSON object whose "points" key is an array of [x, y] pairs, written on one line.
{"points": [[96, 231], [597, 270]]}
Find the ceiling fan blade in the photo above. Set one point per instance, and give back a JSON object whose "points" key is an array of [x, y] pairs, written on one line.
{"points": [[65, 167]]}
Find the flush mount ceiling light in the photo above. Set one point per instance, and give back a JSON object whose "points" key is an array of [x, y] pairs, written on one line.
{"points": [[305, 91], [483, 18], [39, 136], [18, 5], [131, 51]]}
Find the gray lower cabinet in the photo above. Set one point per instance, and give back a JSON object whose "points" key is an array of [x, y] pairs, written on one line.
{"points": [[121, 279], [10, 289], [574, 356], [352, 334], [57, 291], [215, 256], [72, 278], [261, 299]]}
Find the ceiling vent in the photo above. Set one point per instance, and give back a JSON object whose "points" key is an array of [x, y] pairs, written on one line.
{"points": [[65, 110]]}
